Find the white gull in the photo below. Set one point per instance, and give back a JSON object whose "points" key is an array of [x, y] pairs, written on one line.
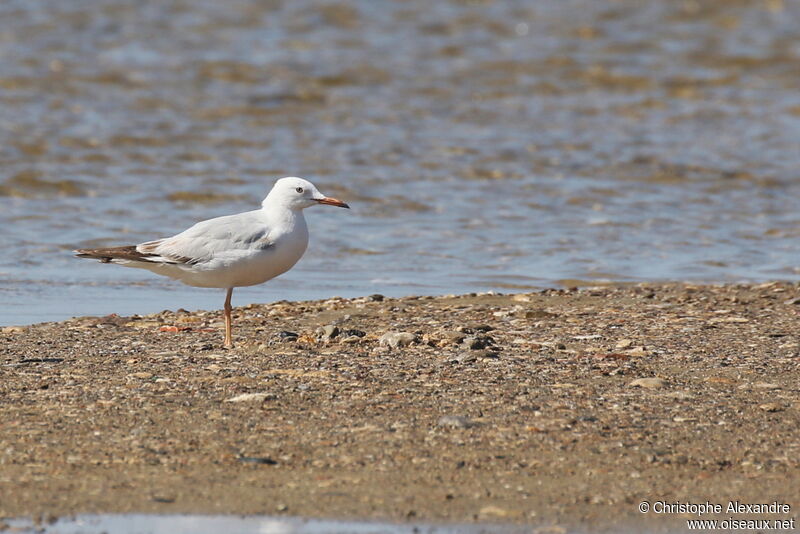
{"points": [[238, 250]]}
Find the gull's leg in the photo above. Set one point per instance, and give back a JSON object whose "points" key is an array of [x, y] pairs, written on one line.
{"points": [[228, 340]]}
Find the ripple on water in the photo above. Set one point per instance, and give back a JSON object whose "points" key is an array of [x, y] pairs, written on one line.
{"points": [[33, 184], [480, 144]]}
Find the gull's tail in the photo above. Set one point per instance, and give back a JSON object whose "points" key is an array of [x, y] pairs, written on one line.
{"points": [[110, 254]]}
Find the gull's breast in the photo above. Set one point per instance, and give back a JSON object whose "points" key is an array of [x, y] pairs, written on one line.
{"points": [[253, 263], [270, 259]]}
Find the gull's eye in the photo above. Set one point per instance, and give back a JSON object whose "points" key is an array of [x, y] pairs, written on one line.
{"points": [[299, 189]]}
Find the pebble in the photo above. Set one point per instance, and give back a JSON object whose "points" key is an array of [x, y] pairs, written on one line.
{"points": [[766, 385], [165, 355], [288, 336], [770, 407], [12, 329], [453, 336], [477, 342], [719, 380], [455, 421], [143, 375], [681, 395], [492, 511], [252, 397], [465, 357], [256, 460], [327, 332], [397, 339], [649, 383], [624, 344], [637, 351], [350, 332]]}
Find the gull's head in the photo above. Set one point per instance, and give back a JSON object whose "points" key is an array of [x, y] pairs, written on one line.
{"points": [[296, 193]]}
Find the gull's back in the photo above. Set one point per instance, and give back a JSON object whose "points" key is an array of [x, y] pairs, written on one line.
{"points": [[232, 251]]}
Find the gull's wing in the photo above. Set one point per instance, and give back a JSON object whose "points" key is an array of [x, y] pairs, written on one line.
{"points": [[219, 238]]}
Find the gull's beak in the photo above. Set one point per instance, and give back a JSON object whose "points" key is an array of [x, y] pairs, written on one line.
{"points": [[332, 202]]}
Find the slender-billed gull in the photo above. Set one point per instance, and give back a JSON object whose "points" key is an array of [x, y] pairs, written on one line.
{"points": [[232, 251]]}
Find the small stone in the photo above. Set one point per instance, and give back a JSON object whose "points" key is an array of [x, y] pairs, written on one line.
{"points": [[492, 511], [12, 329], [167, 354], [258, 460], [455, 421], [478, 342], [452, 336], [770, 407], [465, 357], [328, 332], [350, 332], [520, 297], [551, 529], [349, 340], [397, 339], [766, 385], [649, 383], [624, 344], [288, 336], [143, 375], [252, 397], [637, 351], [719, 380]]}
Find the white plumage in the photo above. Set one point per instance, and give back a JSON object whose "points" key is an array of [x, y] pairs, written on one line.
{"points": [[232, 251]]}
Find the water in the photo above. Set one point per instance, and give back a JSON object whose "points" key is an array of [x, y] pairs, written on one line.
{"points": [[482, 145], [198, 524]]}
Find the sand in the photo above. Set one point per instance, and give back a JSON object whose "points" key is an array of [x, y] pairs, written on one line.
{"points": [[562, 408]]}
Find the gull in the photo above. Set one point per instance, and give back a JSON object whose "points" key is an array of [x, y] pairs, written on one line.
{"points": [[238, 250]]}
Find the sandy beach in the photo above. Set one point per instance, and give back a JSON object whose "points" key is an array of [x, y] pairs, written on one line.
{"points": [[563, 408]]}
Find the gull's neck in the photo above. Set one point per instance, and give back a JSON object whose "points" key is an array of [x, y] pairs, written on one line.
{"points": [[280, 213]]}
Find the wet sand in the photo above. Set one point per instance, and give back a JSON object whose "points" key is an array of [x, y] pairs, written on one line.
{"points": [[562, 407]]}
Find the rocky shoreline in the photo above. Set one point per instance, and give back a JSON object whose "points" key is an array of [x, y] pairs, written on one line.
{"points": [[561, 408]]}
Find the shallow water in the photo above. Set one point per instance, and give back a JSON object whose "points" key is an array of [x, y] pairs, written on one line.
{"points": [[482, 145], [198, 524]]}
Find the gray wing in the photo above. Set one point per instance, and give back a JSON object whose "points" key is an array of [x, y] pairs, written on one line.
{"points": [[228, 236]]}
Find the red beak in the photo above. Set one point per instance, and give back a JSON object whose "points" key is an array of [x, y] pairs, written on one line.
{"points": [[333, 202]]}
